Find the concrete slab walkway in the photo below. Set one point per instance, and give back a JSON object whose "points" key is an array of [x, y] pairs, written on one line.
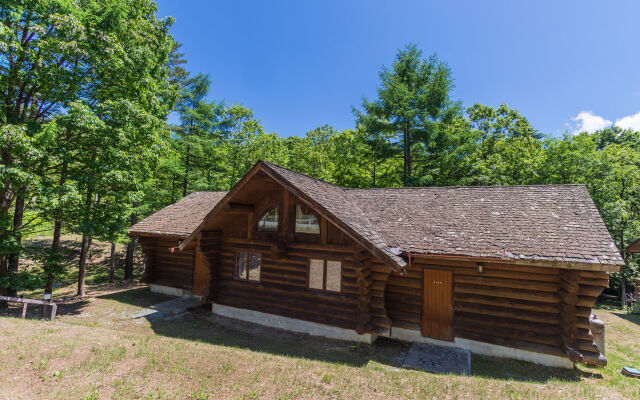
{"points": [[169, 308], [438, 359]]}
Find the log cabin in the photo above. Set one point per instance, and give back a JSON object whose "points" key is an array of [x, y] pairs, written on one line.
{"points": [[507, 271], [634, 247]]}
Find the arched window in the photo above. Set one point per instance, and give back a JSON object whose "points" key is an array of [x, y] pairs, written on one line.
{"points": [[306, 221], [270, 220]]}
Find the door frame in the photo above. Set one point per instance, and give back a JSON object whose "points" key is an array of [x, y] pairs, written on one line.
{"points": [[422, 310]]}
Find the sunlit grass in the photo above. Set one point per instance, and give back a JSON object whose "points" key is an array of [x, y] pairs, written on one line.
{"points": [[94, 350]]}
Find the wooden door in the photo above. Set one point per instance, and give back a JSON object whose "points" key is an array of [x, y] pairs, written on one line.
{"points": [[201, 273], [437, 304]]}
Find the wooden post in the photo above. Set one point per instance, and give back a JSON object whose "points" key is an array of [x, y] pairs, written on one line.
{"points": [[148, 249], [285, 223], [54, 309], [363, 274], [250, 222], [209, 245], [24, 310], [597, 329], [569, 286], [323, 230]]}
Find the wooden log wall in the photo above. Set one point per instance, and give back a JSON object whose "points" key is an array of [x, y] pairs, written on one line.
{"points": [[363, 276], [510, 305], [380, 320], [282, 289], [164, 267], [590, 286], [210, 248]]}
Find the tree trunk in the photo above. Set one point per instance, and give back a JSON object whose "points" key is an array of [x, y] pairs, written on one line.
{"points": [[186, 172], [406, 139], [55, 248], [14, 258], [623, 286], [112, 262], [131, 246], [57, 232], [3, 272], [173, 188], [374, 172], [84, 251]]}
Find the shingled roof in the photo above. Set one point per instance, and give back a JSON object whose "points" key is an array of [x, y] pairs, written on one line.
{"points": [[548, 223], [634, 247], [181, 218], [337, 202], [541, 222]]}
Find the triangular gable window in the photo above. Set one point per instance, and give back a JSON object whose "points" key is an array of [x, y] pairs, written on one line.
{"points": [[270, 220], [306, 222]]}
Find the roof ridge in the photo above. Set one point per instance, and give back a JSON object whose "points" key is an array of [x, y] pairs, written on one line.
{"points": [[269, 163], [473, 186]]}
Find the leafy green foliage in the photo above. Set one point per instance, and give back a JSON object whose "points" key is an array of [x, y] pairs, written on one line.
{"points": [[86, 88], [411, 115], [21, 280]]}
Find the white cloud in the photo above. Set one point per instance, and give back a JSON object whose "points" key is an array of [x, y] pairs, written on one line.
{"points": [[629, 122], [589, 122]]}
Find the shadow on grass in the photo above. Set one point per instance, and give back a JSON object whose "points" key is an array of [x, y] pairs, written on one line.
{"points": [[33, 311], [140, 297], [635, 318], [200, 325], [509, 369], [614, 307]]}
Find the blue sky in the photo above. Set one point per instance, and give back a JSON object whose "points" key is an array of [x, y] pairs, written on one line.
{"points": [[565, 64]]}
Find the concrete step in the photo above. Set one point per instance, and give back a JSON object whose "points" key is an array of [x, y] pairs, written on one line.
{"points": [[168, 308], [438, 359]]}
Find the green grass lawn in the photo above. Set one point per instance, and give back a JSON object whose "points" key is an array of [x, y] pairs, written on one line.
{"points": [[94, 350]]}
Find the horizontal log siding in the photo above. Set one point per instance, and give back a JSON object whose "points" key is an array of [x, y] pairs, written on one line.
{"points": [[514, 306], [380, 320], [282, 289], [166, 268], [591, 284]]}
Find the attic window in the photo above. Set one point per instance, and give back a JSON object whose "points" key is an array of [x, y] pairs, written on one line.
{"points": [[306, 221], [269, 222]]}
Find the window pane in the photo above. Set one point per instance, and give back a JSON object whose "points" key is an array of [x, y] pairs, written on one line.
{"points": [[254, 267], [306, 223], [269, 221], [241, 266], [334, 275], [316, 273]]}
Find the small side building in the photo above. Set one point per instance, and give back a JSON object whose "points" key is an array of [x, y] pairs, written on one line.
{"points": [[634, 247], [507, 271], [169, 270]]}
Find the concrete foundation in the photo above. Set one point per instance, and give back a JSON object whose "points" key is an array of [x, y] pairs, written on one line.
{"points": [[170, 291], [291, 324], [315, 329], [486, 349]]}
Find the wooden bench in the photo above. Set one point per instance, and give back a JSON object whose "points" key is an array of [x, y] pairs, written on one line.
{"points": [[25, 302]]}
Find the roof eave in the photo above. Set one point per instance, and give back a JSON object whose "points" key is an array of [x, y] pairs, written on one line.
{"points": [[157, 233], [548, 263]]}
